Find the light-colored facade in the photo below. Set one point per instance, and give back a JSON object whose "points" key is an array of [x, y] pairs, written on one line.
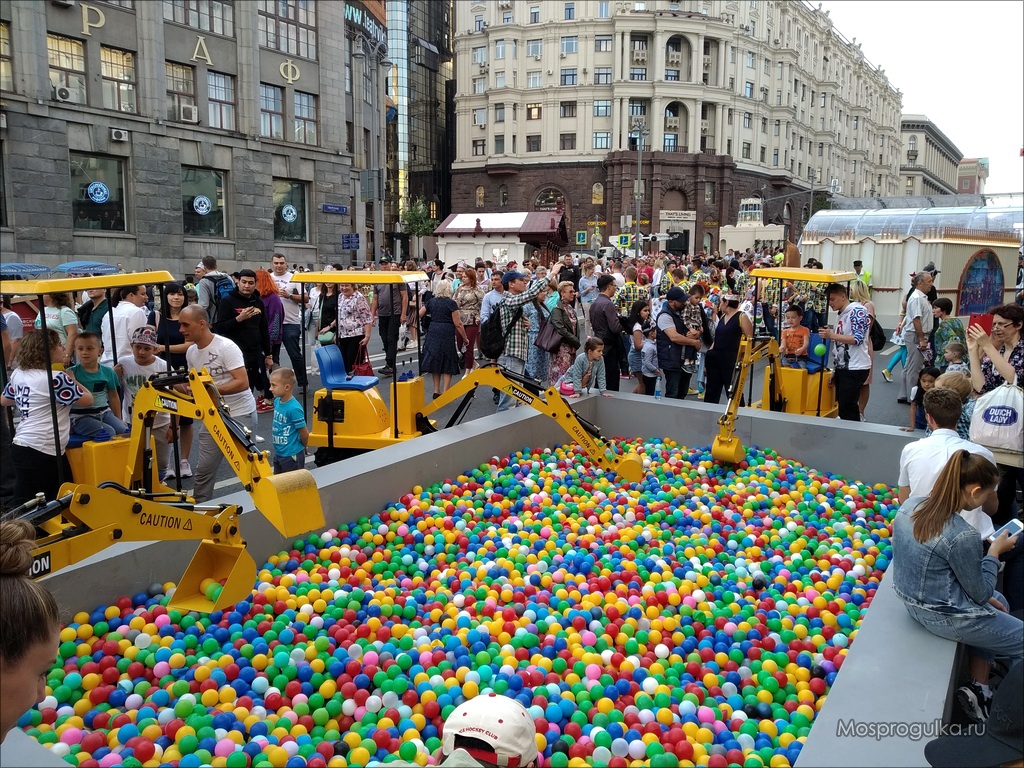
{"points": [[971, 175], [736, 99], [928, 165], [155, 132]]}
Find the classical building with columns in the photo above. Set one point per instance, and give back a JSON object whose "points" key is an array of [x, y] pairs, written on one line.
{"points": [[705, 102], [155, 132], [930, 161]]}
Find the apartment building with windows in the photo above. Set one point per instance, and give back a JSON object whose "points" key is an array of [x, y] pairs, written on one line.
{"points": [[712, 100], [154, 132], [930, 161], [971, 175]]}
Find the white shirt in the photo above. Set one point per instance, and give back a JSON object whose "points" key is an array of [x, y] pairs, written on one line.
{"points": [[15, 326], [134, 377], [917, 306], [922, 461], [852, 357], [31, 395], [292, 309], [220, 357], [127, 318]]}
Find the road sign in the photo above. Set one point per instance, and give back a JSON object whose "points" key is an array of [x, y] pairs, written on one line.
{"points": [[329, 208], [581, 237], [622, 241], [350, 242]]}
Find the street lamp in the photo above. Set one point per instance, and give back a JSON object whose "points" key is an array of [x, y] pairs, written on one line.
{"points": [[638, 127], [367, 53]]}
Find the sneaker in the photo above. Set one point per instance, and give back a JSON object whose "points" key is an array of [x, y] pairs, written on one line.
{"points": [[386, 371], [170, 473], [262, 406], [887, 375], [901, 400], [689, 368], [184, 470], [259, 439], [973, 701]]}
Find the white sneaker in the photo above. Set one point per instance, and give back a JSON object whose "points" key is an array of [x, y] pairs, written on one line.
{"points": [[259, 439], [170, 474], [183, 469]]}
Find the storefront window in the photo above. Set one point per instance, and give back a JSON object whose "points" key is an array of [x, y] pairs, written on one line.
{"points": [[97, 192], [202, 202], [290, 224]]}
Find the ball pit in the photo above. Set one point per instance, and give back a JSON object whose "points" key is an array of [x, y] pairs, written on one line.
{"points": [[700, 615]]}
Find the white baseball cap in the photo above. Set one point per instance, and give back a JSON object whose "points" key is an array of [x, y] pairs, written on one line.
{"points": [[501, 722]]}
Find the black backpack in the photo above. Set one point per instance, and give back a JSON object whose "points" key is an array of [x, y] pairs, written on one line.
{"points": [[222, 286], [492, 335]]}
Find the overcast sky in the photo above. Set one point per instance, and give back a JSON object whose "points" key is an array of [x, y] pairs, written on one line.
{"points": [[959, 63]]}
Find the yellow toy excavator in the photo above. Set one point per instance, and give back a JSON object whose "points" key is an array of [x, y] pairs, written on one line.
{"points": [[87, 518]]}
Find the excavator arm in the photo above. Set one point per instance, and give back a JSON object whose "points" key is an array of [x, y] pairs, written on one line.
{"points": [[547, 401], [727, 446]]}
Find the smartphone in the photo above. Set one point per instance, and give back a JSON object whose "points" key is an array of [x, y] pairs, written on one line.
{"points": [[985, 321], [1012, 528]]}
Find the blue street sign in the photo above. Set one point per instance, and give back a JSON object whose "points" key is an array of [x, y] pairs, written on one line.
{"points": [[350, 242], [330, 208]]}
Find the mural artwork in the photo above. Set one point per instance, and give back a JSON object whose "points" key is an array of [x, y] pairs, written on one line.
{"points": [[981, 285]]}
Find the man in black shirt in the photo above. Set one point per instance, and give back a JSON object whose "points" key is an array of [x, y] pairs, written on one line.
{"points": [[604, 319]]}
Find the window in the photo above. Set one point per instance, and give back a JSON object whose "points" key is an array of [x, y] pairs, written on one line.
{"points": [[117, 71], [750, 59], [638, 73], [128, 5], [479, 85], [533, 79], [216, 16], [823, 104], [602, 140], [728, 117], [290, 224], [499, 79], [479, 147], [775, 158], [288, 27], [67, 65], [181, 88], [746, 150], [709, 192], [202, 202], [534, 48], [567, 141], [732, 55], [966, 184], [672, 75], [506, 17], [767, 66], [671, 142], [533, 143], [499, 113], [271, 111], [6, 76], [602, 75], [499, 50], [602, 108], [821, 149], [602, 43], [568, 76], [776, 129], [97, 192], [570, 44], [604, 10], [534, 14], [764, 125], [637, 107], [478, 23], [348, 78], [305, 118], [748, 89], [221, 96], [912, 144], [503, 195], [747, 117], [533, 111], [480, 197], [499, 144], [764, 152], [567, 109], [480, 54], [480, 116], [570, 11]]}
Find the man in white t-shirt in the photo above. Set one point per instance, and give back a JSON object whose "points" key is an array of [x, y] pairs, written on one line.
{"points": [[129, 315], [291, 326], [917, 330], [224, 361], [851, 357]]}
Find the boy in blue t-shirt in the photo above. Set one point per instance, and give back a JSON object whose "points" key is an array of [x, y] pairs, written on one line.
{"points": [[102, 381], [289, 431]]}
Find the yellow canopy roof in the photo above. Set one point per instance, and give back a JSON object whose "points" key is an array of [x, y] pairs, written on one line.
{"points": [[805, 274], [65, 284], [360, 277]]}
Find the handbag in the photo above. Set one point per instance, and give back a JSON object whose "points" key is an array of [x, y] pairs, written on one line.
{"points": [[877, 335], [362, 366], [998, 420], [326, 337], [548, 337]]}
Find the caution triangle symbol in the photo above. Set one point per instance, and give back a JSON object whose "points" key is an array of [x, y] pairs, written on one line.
{"points": [[187, 526]]}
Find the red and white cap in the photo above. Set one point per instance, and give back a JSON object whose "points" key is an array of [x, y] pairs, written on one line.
{"points": [[499, 721]]}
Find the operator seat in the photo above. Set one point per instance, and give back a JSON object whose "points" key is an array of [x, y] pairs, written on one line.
{"points": [[333, 373]]}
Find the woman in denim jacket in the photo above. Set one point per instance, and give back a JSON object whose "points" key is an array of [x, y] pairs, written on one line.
{"points": [[947, 581]]}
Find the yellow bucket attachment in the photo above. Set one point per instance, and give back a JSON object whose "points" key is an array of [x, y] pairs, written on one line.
{"points": [[219, 576], [728, 449], [630, 467], [290, 501]]}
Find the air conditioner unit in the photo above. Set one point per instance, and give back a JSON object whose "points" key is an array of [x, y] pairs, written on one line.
{"points": [[504, 3], [64, 3], [485, 25], [64, 94], [119, 134], [562, 55], [776, 41], [704, 127], [483, 66], [189, 113], [536, 57], [707, 62], [834, 187]]}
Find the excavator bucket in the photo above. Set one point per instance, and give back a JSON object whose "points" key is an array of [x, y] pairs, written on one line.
{"points": [[728, 450], [290, 501], [630, 467], [219, 576]]}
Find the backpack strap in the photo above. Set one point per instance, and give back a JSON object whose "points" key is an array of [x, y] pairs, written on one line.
{"points": [[518, 313]]}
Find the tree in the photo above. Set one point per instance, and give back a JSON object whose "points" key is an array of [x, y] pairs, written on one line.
{"points": [[417, 223]]}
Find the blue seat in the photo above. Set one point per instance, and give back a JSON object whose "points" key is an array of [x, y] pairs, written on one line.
{"points": [[76, 441], [334, 375], [815, 362]]}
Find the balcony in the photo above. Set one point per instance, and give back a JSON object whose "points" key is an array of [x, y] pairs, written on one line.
{"points": [[671, 124], [707, 63], [673, 58], [639, 55]]}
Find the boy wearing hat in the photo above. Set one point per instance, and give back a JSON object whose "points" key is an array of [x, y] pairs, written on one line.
{"points": [[134, 371]]}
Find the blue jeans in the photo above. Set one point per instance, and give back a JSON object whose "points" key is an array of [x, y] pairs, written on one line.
{"points": [[996, 633], [677, 385], [516, 365], [289, 463], [794, 362], [92, 424], [291, 336]]}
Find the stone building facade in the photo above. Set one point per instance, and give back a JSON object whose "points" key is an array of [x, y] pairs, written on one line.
{"points": [[930, 161], [155, 132], [713, 100]]}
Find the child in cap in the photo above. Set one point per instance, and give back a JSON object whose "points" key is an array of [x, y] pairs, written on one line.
{"points": [[289, 431], [135, 370]]}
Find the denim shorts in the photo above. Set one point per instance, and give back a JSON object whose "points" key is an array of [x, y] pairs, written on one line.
{"points": [[288, 463], [994, 633]]}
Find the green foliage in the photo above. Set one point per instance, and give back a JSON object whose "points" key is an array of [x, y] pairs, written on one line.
{"points": [[416, 219]]}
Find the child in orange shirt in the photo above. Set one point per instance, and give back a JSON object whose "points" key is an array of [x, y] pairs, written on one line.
{"points": [[795, 339]]}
